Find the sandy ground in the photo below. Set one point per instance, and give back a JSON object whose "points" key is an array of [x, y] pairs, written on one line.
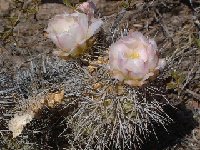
{"points": [[174, 24]]}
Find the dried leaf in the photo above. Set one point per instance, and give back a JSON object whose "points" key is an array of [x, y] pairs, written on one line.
{"points": [[54, 98]]}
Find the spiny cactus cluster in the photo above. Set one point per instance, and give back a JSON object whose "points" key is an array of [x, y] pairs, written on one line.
{"points": [[112, 115], [106, 113]]}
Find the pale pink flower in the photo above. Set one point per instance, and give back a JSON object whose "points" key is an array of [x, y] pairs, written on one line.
{"points": [[87, 8], [134, 59], [72, 33]]}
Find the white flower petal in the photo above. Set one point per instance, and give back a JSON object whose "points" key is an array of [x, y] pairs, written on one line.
{"points": [[64, 41], [117, 55], [136, 67], [94, 26], [83, 21]]}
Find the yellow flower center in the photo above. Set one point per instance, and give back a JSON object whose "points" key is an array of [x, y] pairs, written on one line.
{"points": [[134, 55]]}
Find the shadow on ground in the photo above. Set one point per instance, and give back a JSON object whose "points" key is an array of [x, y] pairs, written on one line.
{"points": [[183, 124], [52, 124]]}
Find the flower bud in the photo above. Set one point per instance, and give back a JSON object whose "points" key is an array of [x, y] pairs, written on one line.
{"points": [[72, 33], [87, 8], [134, 59]]}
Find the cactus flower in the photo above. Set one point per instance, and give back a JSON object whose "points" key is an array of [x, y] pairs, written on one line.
{"points": [[72, 33], [134, 59]]}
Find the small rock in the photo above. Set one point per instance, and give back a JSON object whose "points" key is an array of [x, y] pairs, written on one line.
{"points": [[4, 5], [47, 11]]}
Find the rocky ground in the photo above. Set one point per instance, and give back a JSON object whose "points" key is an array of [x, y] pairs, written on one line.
{"points": [[175, 25]]}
